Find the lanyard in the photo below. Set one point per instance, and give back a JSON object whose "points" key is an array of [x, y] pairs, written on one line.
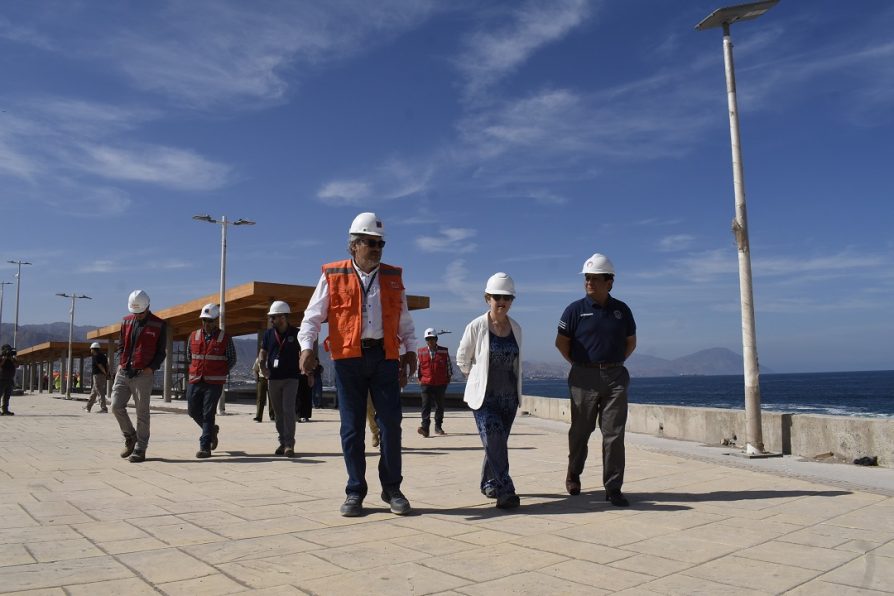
{"points": [[365, 289], [280, 342]]}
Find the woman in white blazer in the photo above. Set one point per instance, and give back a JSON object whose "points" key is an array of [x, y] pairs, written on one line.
{"points": [[489, 356]]}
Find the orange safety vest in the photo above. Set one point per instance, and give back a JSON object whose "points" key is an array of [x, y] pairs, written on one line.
{"points": [[209, 359], [346, 308]]}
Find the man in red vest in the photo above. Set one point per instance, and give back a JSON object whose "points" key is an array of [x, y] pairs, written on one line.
{"points": [[141, 350], [211, 355], [366, 307], [435, 371]]}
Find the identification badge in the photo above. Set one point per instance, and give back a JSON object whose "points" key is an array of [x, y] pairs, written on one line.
{"points": [[276, 363]]}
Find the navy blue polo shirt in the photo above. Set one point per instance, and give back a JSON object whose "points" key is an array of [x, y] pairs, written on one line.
{"points": [[598, 333], [284, 347]]}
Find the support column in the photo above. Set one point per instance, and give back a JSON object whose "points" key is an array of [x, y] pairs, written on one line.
{"points": [[81, 373], [169, 362]]}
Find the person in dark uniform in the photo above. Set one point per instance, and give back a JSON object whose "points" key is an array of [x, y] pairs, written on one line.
{"points": [[8, 366], [596, 335]]}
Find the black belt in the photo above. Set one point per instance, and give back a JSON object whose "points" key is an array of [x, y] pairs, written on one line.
{"points": [[369, 343], [600, 364]]}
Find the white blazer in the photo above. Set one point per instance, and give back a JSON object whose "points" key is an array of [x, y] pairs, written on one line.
{"points": [[473, 358]]}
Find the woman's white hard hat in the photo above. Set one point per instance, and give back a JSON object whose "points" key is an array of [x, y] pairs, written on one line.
{"points": [[500, 283]]}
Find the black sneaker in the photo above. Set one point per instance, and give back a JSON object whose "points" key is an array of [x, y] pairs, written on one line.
{"points": [[289, 452], [489, 492], [280, 450], [203, 453], [129, 445], [137, 456], [617, 498], [510, 501], [396, 499], [352, 507], [256, 419], [214, 437], [439, 431]]}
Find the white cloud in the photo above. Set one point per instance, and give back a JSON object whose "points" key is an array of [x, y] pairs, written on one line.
{"points": [[100, 266], [345, 192], [393, 179], [457, 283], [492, 53], [452, 240], [675, 242], [22, 34]]}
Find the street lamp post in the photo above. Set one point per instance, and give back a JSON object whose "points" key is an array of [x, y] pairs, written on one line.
{"points": [[2, 283], [71, 319], [222, 408], [724, 17], [15, 329]]}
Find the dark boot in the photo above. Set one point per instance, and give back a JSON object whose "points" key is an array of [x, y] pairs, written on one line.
{"points": [[129, 445]]}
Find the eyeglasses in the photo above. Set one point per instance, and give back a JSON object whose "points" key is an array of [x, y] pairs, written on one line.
{"points": [[501, 298], [598, 277], [372, 243]]}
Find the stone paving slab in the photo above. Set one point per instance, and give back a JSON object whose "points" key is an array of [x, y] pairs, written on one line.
{"points": [[75, 518]]}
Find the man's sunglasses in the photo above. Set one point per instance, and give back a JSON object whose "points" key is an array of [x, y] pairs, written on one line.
{"points": [[372, 243], [501, 297], [599, 276]]}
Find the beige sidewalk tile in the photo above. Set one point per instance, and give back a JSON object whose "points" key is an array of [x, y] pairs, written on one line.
{"points": [[275, 591], [183, 534], [249, 548], [683, 548], [61, 550], [493, 562], [109, 531], [267, 527], [407, 578], [277, 571], [36, 534], [684, 585], [131, 545], [532, 584], [357, 533], [572, 549], [75, 571], [799, 555], [209, 585], [39, 592], [165, 565], [869, 571], [368, 555], [593, 574], [485, 537], [14, 554], [434, 524], [751, 574], [116, 587], [651, 565], [822, 588], [432, 545]]}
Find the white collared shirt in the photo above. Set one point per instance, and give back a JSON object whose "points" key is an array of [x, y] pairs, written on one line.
{"points": [[318, 309]]}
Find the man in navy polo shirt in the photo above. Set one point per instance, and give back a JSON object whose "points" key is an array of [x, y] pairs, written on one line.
{"points": [[596, 335]]}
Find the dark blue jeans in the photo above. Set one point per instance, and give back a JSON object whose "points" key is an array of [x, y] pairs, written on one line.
{"points": [[494, 420], [202, 398], [355, 378]]}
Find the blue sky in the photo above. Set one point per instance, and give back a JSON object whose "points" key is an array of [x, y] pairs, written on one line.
{"points": [[502, 136]]}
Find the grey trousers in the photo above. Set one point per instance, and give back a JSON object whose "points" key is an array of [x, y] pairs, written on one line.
{"points": [[283, 394], [99, 390], [140, 387], [598, 395]]}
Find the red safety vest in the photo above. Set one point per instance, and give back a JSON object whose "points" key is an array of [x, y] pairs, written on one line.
{"points": [[143, 352], [209, 359], [346, 308], [433, 371]]}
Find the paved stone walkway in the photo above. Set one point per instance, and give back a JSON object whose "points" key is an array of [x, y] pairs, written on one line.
{"points": [[77, 519]]}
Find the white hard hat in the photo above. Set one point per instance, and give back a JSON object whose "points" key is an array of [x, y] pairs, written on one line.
{"points": [[210, 311], [430, 332], [138, 301], [598, 263], [500, 283], [369, 224], [279, 308], [95, 346]]}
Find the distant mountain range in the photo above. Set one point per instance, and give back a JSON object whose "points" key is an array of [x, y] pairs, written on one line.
{"points": [[713, 361]]}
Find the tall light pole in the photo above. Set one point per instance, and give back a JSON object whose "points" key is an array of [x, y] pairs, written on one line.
{"points": [[2, 283], [724, 17], [222, 408], [15, 329], [71, 320]]}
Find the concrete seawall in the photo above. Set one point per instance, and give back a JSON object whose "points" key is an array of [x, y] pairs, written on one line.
{"points": [[807, 435]]}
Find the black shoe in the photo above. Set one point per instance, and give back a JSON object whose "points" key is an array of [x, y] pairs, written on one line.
{"points": [[256, 419], [203, 453], [510, 501], [129, 445], [352, 507], [280, 450], [616, 498], [489, 492], [572, 483], [137, 456], [214, 437], [439, 431], [289, 452], [396, 499], [422, 431]]}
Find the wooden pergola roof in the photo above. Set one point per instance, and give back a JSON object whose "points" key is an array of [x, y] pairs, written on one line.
{"points": [[245, 312], [54, 350]]}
